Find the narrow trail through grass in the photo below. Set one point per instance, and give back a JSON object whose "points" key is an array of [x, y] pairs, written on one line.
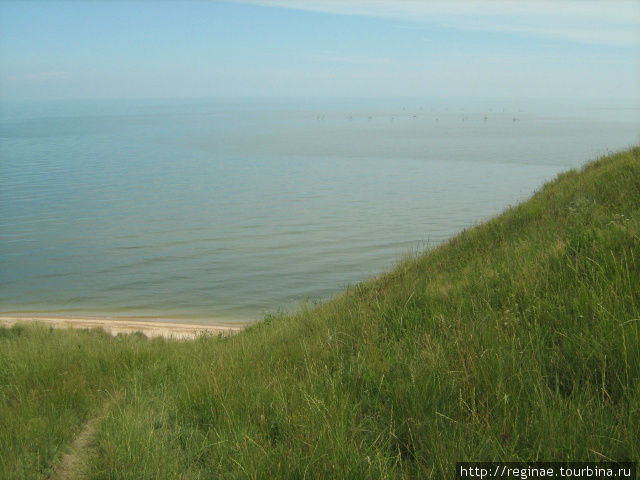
{"points": [[73, 464]]}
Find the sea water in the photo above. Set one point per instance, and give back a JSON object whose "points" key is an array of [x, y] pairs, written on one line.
{"points": [[224, 210]]}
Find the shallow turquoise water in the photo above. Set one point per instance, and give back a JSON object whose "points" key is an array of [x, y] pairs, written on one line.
{"points": [[227, 210]]}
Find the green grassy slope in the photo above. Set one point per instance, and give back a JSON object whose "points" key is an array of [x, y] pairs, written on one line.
{"points": [[517, 340]]}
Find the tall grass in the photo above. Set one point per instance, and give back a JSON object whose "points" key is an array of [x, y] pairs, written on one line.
{"points": [[517, 340]]}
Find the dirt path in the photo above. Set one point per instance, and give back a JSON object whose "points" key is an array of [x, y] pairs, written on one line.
{"points": [[73, 464]]}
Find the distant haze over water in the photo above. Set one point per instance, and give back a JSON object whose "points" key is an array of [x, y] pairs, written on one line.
{"points": [[226, 210]]}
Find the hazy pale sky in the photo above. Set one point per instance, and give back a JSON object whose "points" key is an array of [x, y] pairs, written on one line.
{"points": [[510, 49]]}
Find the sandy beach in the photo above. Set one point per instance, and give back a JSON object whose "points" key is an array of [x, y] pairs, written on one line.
{"points": [[152, 327]]}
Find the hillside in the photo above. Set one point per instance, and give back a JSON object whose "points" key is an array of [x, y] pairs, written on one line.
{"points": [[518, 339]]}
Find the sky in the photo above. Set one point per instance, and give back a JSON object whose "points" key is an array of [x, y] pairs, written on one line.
{"points": [[576, 49]]}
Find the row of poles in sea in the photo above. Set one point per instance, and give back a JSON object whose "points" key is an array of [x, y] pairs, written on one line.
{"points": [[464, 118]]}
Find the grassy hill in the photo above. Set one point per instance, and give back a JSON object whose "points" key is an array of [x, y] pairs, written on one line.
{"points": [[516, 340]]}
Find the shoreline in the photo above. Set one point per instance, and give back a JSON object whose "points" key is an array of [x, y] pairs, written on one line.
{"points": [[151, 328]]}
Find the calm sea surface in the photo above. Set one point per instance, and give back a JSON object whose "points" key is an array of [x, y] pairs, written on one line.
{"points": [[222, 211]]}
